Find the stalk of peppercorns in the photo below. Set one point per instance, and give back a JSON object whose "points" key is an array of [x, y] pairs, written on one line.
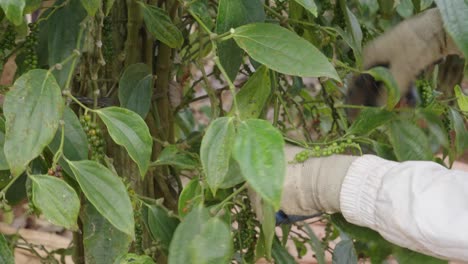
{"points": [[30, 61], [95, 138], [8, 40], [327, 150], [245, 237], [107, 40]]}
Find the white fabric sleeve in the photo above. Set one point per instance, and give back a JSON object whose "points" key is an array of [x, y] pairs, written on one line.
{"points": [[419, 205]]}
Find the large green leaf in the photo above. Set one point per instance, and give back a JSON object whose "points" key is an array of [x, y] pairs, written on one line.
{"points": [[190, 197], [57, 201], [159, 24], [252, 97], [369, 119], [344, 252], [281, 254], [130, 131], [268, 227], [409, 141], [393, 92], [6, 255], [232, 14], [13, 10], [215, 151], [455, 16], [213, 245], [33, 108], [63, 27], [161, 225], [179, 251], [258, 149], [103, 243], [309, 5], [75, 143], [91, 6], [283, 51], [135, 88], [106, 192], [436, 127], [461, 133]]}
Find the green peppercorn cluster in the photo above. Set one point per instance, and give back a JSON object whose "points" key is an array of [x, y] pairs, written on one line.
{"points": [[138, 232], [8, 40], [327, 150], [95, 138], [447, 122], [245, 236], [107, 40], [426, 92], [30, 61]]}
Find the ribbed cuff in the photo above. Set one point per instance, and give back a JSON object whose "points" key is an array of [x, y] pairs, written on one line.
{"points": [[360, 188]]}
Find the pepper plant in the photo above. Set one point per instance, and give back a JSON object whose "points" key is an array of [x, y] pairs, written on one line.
{"points": [[101, 134]]}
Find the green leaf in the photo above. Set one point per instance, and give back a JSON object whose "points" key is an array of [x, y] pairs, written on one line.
{"points": [[56, 199], [283, 51], [103, 243], [161, 225], [405, 8], [172, 155], [462, 99], [252, 97], [215, 151], [6, 255], [131, 258], [200, 8], [316, 245], [213, 245], [130, 131], [31, 6], [369, 119], [258, 149], [344, 253], [108, 6], [409, 141], [280, 254], [190, 197], [136, 88], [105, 190], [455, 16], [159, 24], [13, 10], [233, 176], [309, 5], [3, 161], [63, 27], [91, 6], [232, 14], [393, 92], [179, 251], [356, 34], [75, 143], [461, 134], [268, 227], [436, 127], [33, 108], [406, 256]]}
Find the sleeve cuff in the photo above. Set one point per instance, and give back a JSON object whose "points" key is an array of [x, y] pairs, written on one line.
{"points": [[360, 188]]}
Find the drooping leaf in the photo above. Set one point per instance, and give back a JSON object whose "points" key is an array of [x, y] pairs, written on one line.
{"points": [[232, 14], [159, 24], [281, 254], [316, 246], [63, 28], [405, 8], [309, 5], [130, 131], [6, 255], [215, 151], [57, 201], [344, 253], [105, 190], [369, 119], [462, 99], [161, 225], [268, 227], [461, 133], [135, 88], [33, 108], [409, 141], [252, 97], [283, 51], [191, 226], [131, 258], [393, 92], [436, 127], [13, 10], [233, 175], [75, 143], [258, 149], [213, 244], [200, 8], [91, 6], [171, 155], [356, 35], [455, 16], [103, 243], [190, 197]]}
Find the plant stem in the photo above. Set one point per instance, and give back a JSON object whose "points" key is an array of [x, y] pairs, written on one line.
{"points": [[59, 152]]}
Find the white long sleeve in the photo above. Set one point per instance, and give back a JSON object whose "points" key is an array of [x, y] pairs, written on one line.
{"points": [[416, 204]]}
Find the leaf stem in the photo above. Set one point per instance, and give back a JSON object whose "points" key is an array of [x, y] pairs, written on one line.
{"points": [[59, 152], [231, 85], [232, 195]]}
